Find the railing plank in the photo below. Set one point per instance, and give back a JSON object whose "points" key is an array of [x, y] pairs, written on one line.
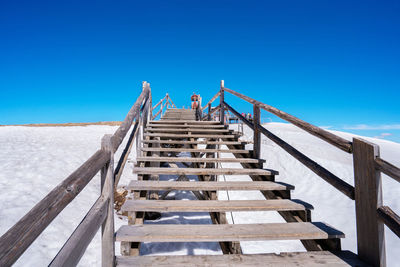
{"points": [[329, 177], [333, 139], [388, 168], [390, 218], [75, 247], [211, 100], [19, 237], [121, 132]]}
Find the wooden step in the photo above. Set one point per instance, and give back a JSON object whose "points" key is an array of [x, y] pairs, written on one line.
{"points": [[210, 126], [226, 232], [207, 142], [200, 150], [193, 130], [288, 259], [170, 135], [208, 186], [203, 171], [215, 205], [185, 121], [186, 159]]}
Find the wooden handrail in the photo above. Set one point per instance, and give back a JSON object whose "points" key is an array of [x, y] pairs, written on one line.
{"points": [[211, 100], [121, 132], [329, 177], [390, 219], [19, 237], [172, 103], [161, 109], [388, 169], [75, 247], [124, 156], [159, 102], [331, 138]]}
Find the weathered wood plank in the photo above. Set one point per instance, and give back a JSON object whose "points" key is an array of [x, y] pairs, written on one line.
{"points": [[107, 192], [19, 237], [122, 130], [368, 197], [186, 159], [208, 186], [331, 138], [185, 121], [226, 232], [208, 126], [214, 205], [184, 130], [256, 132], [75, 247], [200, 150], [211, 100], [390, 218], [179, 142], [221, 100], [329, 177], [203, 171], [190, 135], [291, 259], [388, 169]]}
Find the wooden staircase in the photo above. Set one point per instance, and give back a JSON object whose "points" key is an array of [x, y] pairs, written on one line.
{"points": [[178, 132]]}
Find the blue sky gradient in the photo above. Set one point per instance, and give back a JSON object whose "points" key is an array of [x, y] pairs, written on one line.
{"points": [[331, 63]]}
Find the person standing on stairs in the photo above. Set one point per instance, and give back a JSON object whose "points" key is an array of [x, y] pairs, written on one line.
{"points": [[196, 105]]}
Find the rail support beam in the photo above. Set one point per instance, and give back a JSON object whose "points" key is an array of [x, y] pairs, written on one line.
{"points": [[368, 198]]}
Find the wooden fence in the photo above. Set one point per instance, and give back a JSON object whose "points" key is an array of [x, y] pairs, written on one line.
{"points": [[371, 215], [20, 236]]}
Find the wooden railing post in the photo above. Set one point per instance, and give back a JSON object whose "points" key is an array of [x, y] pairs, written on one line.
{"points": [[257, 133], [368, 198], [107, 192], [209, 112], [221, 101]]}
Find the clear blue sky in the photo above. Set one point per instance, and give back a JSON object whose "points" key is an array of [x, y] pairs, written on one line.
{"points": [[331, 63]]}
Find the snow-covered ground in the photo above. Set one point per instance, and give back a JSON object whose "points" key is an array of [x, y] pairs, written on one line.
{"points": [[34, 160]]}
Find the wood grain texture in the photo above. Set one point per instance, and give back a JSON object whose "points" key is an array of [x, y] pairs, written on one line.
{"points": [[214, 205], [388, 168], [200, 150], [185, 130], [208, 142], [291, 259], [368, 197], [390, 218], [171, 135], [203, 171], [185, 126], [208, 186], [189, 122], [208, 160], [121, 132], [331, 138], [226, 232], [75, 247]]}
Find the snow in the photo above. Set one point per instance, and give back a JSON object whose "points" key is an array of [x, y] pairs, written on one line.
{"points": [[34, 160]]}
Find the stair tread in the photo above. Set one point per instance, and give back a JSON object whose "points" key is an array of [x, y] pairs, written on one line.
{"points": [[186, 121], [190, 135], [209, 150], [210, 126], [289, 259], [203, 171], [187, 159], [179, 130], [226, 232], [179, 142], [215, 205], [208, 186]]}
